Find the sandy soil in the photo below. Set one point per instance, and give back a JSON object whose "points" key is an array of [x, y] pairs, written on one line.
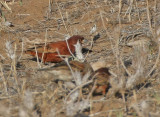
{"points": [[119, 25]]}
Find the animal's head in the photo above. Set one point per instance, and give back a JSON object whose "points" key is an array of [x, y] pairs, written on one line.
{"points": [[102, 75], [74, 39], [103, 70]]}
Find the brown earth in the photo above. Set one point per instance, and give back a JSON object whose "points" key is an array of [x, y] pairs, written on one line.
{"points": [[37, 22]]}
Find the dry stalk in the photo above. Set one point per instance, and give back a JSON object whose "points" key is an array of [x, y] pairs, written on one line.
{"points": [[4, 80], [125, 67], [44, 46], [61, 56], [124, 100], [139, 63], [157, 59], [78, 50], [149, 19], [23, 86], [155, 7], [155, 65], [135, 96], [21, 51], [90, 96], [2, 57], [14, 69], [138, 11], [129, 10], [143, 109], [107, 32], [66, 60], [101, 112], [50, 9], [62, 18], [93, 88], [38, 64], [152, 69], [91, 46], [118, 57], [54, 93], [155, 10], [60, 33], [90, 81], [120, 7], [69, 49], [117, 37], [6, 6]]}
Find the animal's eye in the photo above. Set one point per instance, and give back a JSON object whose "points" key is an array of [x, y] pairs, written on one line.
{"points": [[81, 41]]}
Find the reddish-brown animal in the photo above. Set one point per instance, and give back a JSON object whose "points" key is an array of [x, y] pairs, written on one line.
{"points": [[62, 72], [49, 52], [102, 76]]}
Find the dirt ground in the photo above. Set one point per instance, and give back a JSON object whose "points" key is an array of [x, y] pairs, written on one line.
{"points": [[129, 44]]}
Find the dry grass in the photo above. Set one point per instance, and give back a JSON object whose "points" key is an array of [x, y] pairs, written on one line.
{"points": [[129, 41]]}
